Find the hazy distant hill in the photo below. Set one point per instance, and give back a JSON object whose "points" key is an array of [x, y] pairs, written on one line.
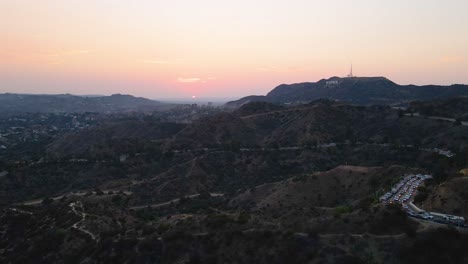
{"points": [[11, 103], [358, 90]]}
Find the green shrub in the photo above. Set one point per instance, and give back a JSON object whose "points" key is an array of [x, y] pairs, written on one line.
{"points": [[343, 209]]}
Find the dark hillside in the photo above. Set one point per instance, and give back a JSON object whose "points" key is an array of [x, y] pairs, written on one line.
{"points": [[21, 103], [356, 90]]}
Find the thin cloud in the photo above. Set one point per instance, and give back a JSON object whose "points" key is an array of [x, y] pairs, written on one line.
{"points": [[61, 57], [269, 69], [55, 62], [277, 69], [189, 80], [194, 80], [295, 68], [156, 62], [162, 61], [67, 53], [79, 52], [452, 59]]}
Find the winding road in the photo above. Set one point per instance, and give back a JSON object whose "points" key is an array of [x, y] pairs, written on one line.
{"points": [[139, 207], [83, 215], [437, 118], [79, 193]]}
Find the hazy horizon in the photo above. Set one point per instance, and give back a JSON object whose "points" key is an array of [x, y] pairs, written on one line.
{"points": [[208, 48], [203, 99]]}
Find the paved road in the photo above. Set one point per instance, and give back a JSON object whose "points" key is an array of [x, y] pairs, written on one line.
{"points": [[79, 193], [139, 207], [438, 118], [404, 192], [438, 225], [20, 211]]}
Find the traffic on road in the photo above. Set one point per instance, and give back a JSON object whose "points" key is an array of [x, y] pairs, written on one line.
{"points": [[404, 192]]}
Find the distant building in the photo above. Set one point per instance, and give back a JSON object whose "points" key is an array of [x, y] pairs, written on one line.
{"points": [[350, 75]]}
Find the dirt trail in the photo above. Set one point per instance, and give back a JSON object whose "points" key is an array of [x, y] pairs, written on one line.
{"points": [[82, 214], [463, 123], [78, 193], [20, 211], [139, 207]]}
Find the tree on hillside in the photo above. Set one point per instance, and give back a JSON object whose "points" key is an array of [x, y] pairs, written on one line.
{"points": [[400, 113], [47, 201]]}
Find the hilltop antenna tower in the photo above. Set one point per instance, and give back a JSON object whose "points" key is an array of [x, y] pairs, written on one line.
{"points": [[350, 75]]}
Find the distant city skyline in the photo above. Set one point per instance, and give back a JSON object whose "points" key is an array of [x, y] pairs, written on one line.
{"points": [[225, 49]]}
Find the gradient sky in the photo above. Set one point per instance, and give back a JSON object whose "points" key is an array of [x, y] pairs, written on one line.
{"points": [[218, 48]]}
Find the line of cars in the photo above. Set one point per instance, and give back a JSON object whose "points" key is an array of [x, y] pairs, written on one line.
{"points": [[404, 192], [448, 219]]}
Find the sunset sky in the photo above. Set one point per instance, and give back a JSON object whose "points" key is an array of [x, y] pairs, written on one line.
{"points": [[217, 48]]}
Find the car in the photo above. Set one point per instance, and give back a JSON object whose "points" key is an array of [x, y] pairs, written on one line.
{"points": [[426, 216]]}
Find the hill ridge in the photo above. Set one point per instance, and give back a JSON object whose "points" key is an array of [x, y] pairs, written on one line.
{"points": [[357, 90], [68, 103]]}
